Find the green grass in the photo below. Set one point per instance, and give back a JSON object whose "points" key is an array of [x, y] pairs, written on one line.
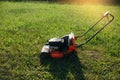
{"points": [[26, 26]]}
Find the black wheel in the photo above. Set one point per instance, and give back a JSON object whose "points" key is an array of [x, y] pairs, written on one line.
{"points": [[44, 55], [73, 54]]}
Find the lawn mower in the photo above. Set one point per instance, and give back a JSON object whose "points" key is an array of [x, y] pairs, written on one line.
{"points": [[59, 47]]}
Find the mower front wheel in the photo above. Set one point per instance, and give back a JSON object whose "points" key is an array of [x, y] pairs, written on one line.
{"points": [[44, 55]]}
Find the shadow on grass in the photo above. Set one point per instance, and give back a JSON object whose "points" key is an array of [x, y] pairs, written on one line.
{"points": [[68, 68]]}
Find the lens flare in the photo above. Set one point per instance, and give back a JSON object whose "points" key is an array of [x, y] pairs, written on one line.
{"points": [[87, 1]]}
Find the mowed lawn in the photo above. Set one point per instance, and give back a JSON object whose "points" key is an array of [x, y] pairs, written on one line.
{"points": [[26, 26]]}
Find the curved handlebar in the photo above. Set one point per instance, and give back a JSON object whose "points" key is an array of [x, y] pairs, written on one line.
{"points": [[106, 14]]}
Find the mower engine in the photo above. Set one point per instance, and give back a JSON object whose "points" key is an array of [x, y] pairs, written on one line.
{"points": [[58, 47]]}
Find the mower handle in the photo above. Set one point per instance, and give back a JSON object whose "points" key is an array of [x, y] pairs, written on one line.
{"points": [[106, 15]]}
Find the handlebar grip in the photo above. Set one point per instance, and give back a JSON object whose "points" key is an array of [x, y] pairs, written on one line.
{"points": [[106, 14]]}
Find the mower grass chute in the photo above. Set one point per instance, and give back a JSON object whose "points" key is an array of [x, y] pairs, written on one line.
{"points": [[59, 47]]}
